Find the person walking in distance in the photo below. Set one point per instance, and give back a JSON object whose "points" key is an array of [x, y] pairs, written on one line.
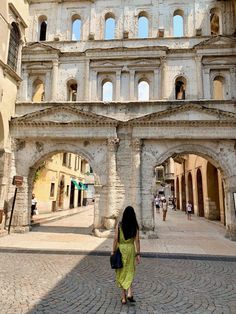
{"points": [[33, 205], [164, 209], [189, 210], [157, 204], [127, 239]]}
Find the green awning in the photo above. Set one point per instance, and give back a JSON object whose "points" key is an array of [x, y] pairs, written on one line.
{"points": [[80, 185]]}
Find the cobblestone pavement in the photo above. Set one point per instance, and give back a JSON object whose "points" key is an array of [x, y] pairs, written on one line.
{"points": [[73, 283]]}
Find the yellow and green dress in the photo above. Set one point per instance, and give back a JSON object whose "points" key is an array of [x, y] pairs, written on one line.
{"points": [[125, 275]]}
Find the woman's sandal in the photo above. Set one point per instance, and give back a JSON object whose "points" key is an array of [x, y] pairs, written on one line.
{"points": [[123, 301], [131, 299]]}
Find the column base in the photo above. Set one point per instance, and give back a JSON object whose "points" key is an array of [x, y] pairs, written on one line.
{"points": [[231, 233]]}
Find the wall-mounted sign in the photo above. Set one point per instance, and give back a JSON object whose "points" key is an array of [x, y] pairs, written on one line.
{"points": [[17, 180]]}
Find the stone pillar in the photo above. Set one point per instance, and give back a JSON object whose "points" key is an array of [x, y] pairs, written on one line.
{"points": [[118, 78], [163, 78], [136, 177], [230, 208], [198, 61], [54, 79], [97, 208], [233, 83], [206, 83], [86, 81], [156, 89], [48, 87], [131, 85], [111, 211], [24, 87], [93, 91]]}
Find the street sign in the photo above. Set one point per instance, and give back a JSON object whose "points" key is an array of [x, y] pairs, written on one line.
{"points": [[17, 180]]}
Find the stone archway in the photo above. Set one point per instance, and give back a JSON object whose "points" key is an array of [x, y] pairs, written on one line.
{"points": [[221, 154], [30, 156]]}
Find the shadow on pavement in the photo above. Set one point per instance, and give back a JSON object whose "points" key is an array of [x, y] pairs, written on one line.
{"points": [[63, 229]]}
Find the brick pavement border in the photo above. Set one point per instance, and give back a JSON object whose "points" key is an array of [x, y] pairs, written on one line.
{"points": [[181, 256]]}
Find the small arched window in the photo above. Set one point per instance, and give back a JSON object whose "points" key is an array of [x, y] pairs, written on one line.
{"points": [[76, 28], [38, 91], [107, 91], [42, 28], [110, 26], [178, 23], [180, 87], [143, 90], [14, 44], [143, 25], [218, 87], [215, 21], [72, 88]]}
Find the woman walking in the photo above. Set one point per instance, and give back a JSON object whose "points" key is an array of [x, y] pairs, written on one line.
{"points": [[127, 239]]}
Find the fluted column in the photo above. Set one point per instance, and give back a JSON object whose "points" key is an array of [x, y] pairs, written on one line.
{"points": [[111, 211], [163, 78], [156, 94], [118, 76], [131, 84], [198, 60], [136, 176], [54, 79]]}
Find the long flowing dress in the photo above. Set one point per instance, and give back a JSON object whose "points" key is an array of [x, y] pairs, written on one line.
{"points": [[125, 275]]}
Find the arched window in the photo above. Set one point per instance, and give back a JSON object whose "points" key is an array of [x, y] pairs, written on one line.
{"points": [[218, 88], [143, 25], [107, 91], [76, 28], [178, 23], [42, 28], [72, 90], [109, 26], [215, 21], [180, 87], [38, 91], [13, 46], [143, 90]]}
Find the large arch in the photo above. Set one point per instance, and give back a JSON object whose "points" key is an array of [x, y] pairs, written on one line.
{"points": [[157, 152], [31, 156]]}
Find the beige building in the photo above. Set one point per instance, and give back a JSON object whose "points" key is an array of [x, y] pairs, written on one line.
{"points": [[64, 181], [14, 16], [127, 86]]}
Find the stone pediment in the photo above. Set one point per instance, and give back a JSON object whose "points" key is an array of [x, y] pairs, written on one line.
{"points": [[217, 42], [63, 115], [189, 113], [40, 48]]}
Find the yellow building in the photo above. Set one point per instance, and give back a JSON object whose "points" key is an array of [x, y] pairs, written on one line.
{"points": [[14, 16], [64, 181], [198, 181]]}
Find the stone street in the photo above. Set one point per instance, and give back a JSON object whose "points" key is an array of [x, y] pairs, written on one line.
{"points": [[73, 283], [60, 268]]}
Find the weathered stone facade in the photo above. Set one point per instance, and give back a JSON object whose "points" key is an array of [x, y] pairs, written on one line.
{"points": [[125, 139]]}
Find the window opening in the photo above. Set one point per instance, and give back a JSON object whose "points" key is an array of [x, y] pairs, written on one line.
{"points": [[76, 29], [14, 44], [109, 28], [142, 26], [107, 91], [143, 91]]}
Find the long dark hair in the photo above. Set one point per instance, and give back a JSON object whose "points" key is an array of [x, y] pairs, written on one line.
{"points": [[129, 223]]}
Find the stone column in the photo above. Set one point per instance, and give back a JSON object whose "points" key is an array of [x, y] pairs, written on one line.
{"points": [[163, 78], [131, 85], [233, 83], [47, 86], [111, 211], [97, 208], [24, 89], [230, 208], [86, 81], [118, 77], [198, 61], [93, 86], [136, 179], [207, 83], [156, 83], [54, 79]]}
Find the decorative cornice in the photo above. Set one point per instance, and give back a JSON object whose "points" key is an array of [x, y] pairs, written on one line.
{"points": [[9, 71]]}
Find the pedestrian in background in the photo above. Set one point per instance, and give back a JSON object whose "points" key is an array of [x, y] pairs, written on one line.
{"points": [[127, 239], [157, 204], [33, 205], [164, 209], [189, 210]]}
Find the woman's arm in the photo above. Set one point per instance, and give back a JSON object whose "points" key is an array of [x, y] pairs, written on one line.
{"points": [[115, 241], [137, 245]]}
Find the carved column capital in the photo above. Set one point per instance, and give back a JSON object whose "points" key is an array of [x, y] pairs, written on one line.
{"points": [[113, 143], [137, 144]]}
